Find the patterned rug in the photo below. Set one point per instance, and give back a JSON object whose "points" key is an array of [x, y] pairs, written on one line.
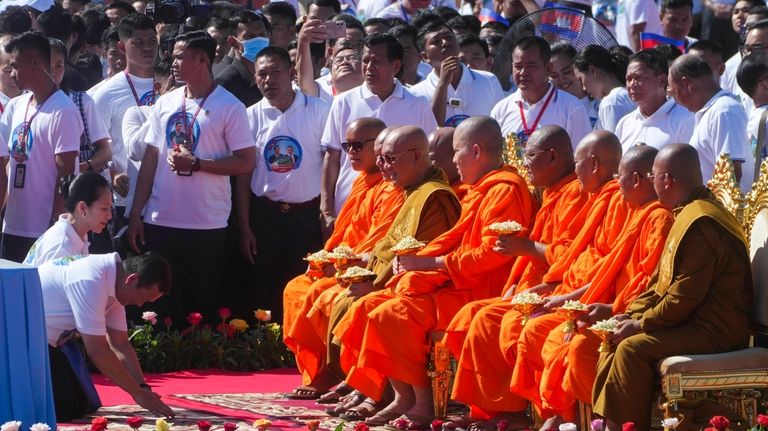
{"points": [[185, 420]]}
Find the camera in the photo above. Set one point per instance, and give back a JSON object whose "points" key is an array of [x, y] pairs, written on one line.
{"points": [[177, 11]]}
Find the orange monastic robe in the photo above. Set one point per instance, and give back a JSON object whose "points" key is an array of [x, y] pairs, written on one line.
{"points": [[351, 226], [477, 382], [418, 302], [306, 334], [602, 235], [460, 189], [570, 367]]}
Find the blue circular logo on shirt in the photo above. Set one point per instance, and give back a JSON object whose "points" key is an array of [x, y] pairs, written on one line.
{"points": [[176, 133], [455, 120], [282, 154], [147, 99], [21, 148]]}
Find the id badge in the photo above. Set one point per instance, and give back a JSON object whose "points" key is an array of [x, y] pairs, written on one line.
{"points": [[182, 173], [20, 175]]}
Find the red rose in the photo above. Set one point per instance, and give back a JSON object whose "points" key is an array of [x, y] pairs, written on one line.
{"points": [[99, 424], [721, 423], [436, 425], [135, 422], [203, 425], [194, 318], [361, 426], [501, 426], [225, 329], [230, 426], [628, 426], [762, 420], [167, 322], [225, 313]]}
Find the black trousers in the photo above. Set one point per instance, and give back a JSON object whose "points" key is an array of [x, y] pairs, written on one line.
{"points": [[69, 398], [284, 235], [15, 248], [196, 257]]}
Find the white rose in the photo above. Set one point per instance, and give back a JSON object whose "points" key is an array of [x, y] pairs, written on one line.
{"points": [[150, 316], [10, 426], [40, 427], [568, 426], [670, 423]]}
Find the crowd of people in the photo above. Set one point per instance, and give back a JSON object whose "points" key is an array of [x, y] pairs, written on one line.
{"points": [[199, 162]]}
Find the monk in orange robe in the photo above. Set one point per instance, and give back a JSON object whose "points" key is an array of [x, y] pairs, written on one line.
{"points": [[430, 287], [363, 220], [482, 375], [570, 362], [441, 154], [597, 158]]}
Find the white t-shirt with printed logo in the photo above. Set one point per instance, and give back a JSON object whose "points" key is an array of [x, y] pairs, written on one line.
{"points": [[201, 200], [753, 131], [60, 240], [112, 100], [631, 12], [401, 108], [477, 93], [79, 294], [289, 159], [135, 127], [56, 129]]}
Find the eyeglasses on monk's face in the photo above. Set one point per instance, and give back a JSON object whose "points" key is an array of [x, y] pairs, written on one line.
{"points": [[651, 176], [390, 159], [355, 145], [619, 175]]}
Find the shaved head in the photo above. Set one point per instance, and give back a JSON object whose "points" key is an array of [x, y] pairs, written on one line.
{"points": [[441, 152], [367, 125], [406, 149], [360, 135], [378, 144], [633, 170], [597, 159], [482, 131], [677, 174], [548, 156], [477, 147]]}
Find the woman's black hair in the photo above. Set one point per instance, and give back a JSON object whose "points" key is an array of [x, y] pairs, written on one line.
{"points": [[614, 61], [86, 187]]}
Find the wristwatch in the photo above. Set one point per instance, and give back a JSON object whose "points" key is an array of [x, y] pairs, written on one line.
{"points": [[145, 386], [196, 164]]}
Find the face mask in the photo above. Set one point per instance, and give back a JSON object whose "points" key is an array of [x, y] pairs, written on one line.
{"points": [[252, 47]]}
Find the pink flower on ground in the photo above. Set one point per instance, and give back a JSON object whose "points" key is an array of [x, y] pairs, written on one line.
{"points": [[135, 422], [99, 424], [225, 313], [194, 319], [204, 425]]}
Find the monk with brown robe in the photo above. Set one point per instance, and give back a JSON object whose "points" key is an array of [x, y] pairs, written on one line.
{"points": [[624, 273], [361, 222], [550, 164], [430, 287], [698, 300]]}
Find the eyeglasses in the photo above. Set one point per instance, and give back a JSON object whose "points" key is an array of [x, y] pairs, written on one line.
{"points": [[618, 176], [748, 49], [391, 158], [355, 145], [651, 176], [351, 58], [530, 155]]}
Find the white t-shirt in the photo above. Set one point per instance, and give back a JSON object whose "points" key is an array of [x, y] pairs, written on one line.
{"points": [[60, 240], [112, 100], [721, 128], [55, 129], [395, 10], [325, 89], [728, 80], [79, 294], [371, 8], [401, 108], [592, 107], [613, 107], [289, 160], [135, 127], [631, 12], [564, 110], [477, 93], [670, 124], [94, 122], [201, 200], [753, 128]]}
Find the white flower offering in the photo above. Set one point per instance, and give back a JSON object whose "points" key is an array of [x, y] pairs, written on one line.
{"points": [[574, 306], [568, 426], [318, 256], [527, 298], [11, 426], [356, 274], [607, 325], [408, 244], [505, 227], [670, 423], [343, 252], [40, 427]]}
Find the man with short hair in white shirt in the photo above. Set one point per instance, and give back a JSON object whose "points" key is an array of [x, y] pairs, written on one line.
{"points": [[42, 132], [656, 121], [278, 203], [751, 78], [634, 17], [403, 9], [742, 16], [456, 92], [536, 102], [382, 97], [721, 123], [8, 88], [135, 86], [87, 296], [198, 136]]}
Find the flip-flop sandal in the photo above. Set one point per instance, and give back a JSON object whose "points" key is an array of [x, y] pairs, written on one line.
{"points": [[334, 395], [351, 400], [390, 421], [303, 393], [359, 412], [480, 426], [458, 422]]}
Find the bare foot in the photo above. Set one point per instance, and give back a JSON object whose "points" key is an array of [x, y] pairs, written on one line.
{"points": [[335, 394], [401, 404]]}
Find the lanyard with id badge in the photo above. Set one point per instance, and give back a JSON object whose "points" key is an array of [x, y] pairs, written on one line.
{"points": [[20, 173], [189, 129]]}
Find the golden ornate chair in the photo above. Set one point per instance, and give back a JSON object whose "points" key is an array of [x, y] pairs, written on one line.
{"points": [[695, 387]]}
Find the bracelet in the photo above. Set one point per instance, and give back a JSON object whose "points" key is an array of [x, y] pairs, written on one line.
{"points": [[145, 386], [90, 165]]}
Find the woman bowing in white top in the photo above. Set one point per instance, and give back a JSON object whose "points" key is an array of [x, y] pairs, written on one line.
{"points": [[602, 74], [88, 201]]}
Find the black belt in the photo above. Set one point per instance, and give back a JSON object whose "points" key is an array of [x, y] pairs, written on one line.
{"points": [[286, 207]]}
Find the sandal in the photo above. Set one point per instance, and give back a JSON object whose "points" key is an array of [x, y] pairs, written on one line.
{"points": [[360, 412], [386, 419], [351, 400], [334, 395], [303, 393]]}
